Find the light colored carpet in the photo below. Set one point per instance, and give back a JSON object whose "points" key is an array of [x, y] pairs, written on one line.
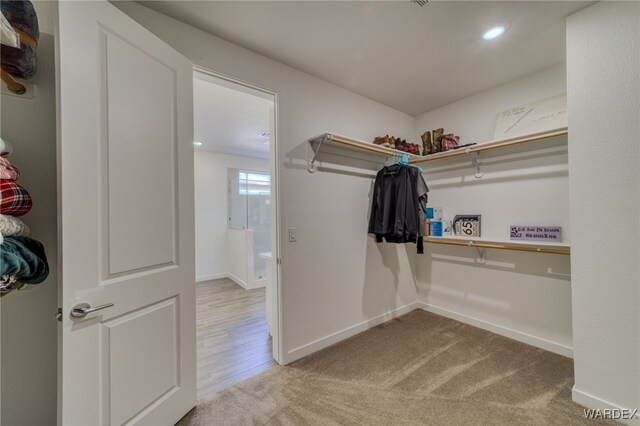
{"points": [[419, 369]]}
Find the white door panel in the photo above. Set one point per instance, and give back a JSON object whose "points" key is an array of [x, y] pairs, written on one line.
{"points": [[143, 358], [138, 138], [126, 182]]}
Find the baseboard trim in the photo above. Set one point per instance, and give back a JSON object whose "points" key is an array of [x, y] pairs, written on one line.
{"points": [[341, 335], [499, 329], [238, 281], [590, 401], [212, 277]]}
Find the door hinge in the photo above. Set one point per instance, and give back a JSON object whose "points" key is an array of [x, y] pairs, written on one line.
{"points": [[59, 314], [279, 261]]}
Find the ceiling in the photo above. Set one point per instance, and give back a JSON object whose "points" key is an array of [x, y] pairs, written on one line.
{"points": [[411, 58], [229, 118]]}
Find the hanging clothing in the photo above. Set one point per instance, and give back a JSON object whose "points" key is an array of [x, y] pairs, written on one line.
{"points": [[399, 202]]}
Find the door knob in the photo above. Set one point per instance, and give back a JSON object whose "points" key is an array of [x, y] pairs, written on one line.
{"points": [[81, 310]]}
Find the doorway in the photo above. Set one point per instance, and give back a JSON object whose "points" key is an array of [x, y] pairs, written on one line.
{"points": [[235, 223]]}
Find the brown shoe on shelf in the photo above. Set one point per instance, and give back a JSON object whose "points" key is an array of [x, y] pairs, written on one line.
{"points": [[382, 141]]}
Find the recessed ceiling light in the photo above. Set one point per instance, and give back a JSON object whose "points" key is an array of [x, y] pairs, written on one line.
{"points": [[493, 33], [197, 143]]}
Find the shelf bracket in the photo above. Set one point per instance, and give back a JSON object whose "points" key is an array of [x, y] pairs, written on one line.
{"points": [[477, 164], [481, 253], [312, 166]]}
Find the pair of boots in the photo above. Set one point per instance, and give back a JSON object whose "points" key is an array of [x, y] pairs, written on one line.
{"points": [[429, 145]]}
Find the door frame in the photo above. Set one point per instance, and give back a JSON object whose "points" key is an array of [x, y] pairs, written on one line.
{"points": [[275, 208]]}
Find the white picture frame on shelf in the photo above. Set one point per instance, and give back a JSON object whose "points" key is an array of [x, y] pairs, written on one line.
{"points": [[467, 225]]}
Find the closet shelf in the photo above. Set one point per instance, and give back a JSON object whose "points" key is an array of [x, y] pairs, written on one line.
{"points": [[532, 246], [500, 143], [362, 150]]}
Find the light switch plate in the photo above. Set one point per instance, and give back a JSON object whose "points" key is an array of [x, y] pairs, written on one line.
{"points": [[292, 235]]}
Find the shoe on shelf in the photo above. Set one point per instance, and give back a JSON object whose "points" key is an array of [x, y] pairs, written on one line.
{"points": [[382, 141]]}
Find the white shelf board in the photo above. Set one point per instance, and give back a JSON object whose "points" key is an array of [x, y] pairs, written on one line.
{"points": [[498, 143], [502, 241], [533, 246], [367, 149]]}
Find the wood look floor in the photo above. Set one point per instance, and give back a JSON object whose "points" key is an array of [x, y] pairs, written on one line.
{"points": [[232, 335]]}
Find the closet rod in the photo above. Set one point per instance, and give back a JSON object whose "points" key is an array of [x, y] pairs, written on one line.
{"points": [[492, 145], [531, 248]]}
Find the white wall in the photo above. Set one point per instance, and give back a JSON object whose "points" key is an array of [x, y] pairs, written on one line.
{"points": [[335, 280], [603, 47], [238, 245], [210, 169], [28, 324], [526, 296]]}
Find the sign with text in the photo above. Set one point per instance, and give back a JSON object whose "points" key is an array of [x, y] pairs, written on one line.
{"points": [[536, 117], [548, 234]]}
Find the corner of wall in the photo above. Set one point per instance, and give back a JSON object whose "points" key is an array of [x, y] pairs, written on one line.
{"points": [[603, 64]]}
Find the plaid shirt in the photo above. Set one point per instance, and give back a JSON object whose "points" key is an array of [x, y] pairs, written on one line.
{"points": [[14, 199], [8, 170]]}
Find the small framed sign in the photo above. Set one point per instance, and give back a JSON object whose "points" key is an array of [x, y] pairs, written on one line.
{"points": [[547, 234], [467, 225]]}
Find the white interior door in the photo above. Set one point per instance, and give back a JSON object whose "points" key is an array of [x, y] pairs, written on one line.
{"points": [[126, 182]]}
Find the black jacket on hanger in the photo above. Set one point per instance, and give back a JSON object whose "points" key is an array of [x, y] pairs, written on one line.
{"points": [[399, 202]]}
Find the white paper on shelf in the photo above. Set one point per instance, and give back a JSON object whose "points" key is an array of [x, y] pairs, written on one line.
{"points": [[8, 36], [536, 117]]}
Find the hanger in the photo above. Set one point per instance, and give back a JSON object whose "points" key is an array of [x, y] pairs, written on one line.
{"points": [[402, 159]]}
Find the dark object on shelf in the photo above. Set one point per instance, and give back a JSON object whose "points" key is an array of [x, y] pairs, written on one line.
{"points": [[426, 143], [397, 143], [437, 140], [20, 62], [450, 141], [404, 146], [464, 146], [467, 225]]}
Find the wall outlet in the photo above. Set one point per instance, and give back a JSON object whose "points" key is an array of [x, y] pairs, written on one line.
{"points": [[293, 235]]}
